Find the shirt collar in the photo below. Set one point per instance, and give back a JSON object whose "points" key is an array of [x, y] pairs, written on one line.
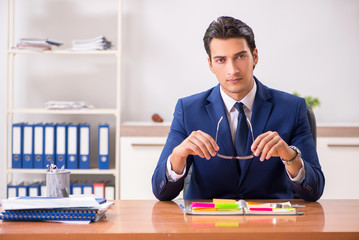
{"points": [[247, 101]]}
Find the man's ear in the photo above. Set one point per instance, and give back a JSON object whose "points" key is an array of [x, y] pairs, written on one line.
{"points": [[255, 57], [210, 64]]}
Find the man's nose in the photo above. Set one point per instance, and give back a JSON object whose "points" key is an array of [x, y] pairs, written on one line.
{"points": [[232, 68]]}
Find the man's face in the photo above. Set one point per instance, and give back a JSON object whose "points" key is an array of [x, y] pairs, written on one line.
{"points": [[232, 62]]}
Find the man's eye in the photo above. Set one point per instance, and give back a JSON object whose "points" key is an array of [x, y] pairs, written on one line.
{"points": [[241, 56], [220, 60]]}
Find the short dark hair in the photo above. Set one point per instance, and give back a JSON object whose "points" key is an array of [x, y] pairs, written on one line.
{"points": [[228, 27]]}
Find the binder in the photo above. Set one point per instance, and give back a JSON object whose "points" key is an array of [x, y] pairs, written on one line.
{"points": [[17, 135], [110, 192], [22, 191], [12, 191], [34, 190], [49, 148], [76, 189], [72, 147], [28, 148], [99, 190], [43, 190], [49, 216], [103, 146], [87, 189], [61, 132], [84, 148], [39, 146]]}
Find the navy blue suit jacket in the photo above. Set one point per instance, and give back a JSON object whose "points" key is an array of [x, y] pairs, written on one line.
{"points": [[273, 110]]}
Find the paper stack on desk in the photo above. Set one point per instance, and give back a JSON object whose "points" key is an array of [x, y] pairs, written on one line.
{"points": [[88, 209]]}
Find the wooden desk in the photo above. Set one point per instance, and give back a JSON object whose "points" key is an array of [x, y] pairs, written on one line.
{"points": [[165, 220]]}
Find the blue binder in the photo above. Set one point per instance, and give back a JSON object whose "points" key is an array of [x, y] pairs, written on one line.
{"points": [[72, 147], [61, 137], [49, 148], [22, 190], [28, 147], [12, 191], [84, 146], [34, 190], [103, 146], [39, 146], [76, 189], [17, 135]]}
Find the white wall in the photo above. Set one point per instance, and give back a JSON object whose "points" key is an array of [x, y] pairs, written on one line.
{"points": [[305, 46]]}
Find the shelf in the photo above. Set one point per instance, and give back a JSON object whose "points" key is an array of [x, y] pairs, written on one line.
{"points": [[109, 111], [64, 52], [73, 171]]}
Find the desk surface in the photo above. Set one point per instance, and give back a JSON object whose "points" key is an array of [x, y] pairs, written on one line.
{"points": [[325, 219]]}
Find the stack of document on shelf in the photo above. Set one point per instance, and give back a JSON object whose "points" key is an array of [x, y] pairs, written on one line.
{"points": [[37, 44], [67, 105], [97, 43], [75, 208]]}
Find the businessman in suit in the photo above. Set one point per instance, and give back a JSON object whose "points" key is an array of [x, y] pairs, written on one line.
{"points": [[270, 155]]}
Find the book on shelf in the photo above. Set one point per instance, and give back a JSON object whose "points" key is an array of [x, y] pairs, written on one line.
{"points": [[241, 207], [74, 208], [97, 43], [36, 44]]}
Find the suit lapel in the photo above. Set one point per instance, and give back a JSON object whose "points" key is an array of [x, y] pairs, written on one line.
{"points": [[216, 110], [261, 111]]}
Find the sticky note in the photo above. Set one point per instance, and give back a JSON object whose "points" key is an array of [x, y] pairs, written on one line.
{"points": [[202, 205], [224, 201]]}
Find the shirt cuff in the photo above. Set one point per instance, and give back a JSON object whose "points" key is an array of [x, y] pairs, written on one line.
{"points": [[300, 176], [171, 175]]}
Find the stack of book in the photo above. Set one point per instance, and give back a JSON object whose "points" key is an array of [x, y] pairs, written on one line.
{"points": [[97, 43], [84, 208], [37, 44]]}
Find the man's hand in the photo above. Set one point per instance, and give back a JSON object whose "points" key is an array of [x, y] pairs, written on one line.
{"points": [[270, 144], [198, 143]]}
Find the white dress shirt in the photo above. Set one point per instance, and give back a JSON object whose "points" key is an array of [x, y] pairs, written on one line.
{"points": [[232, 116]]}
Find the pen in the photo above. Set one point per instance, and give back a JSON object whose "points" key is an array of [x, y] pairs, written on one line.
{"points": [[182, 207]]}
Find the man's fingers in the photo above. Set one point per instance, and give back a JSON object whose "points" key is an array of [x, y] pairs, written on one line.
{"points": [[202, 144]]}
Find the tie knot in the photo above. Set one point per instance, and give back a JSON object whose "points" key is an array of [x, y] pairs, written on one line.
{"points": [[239, 107]]}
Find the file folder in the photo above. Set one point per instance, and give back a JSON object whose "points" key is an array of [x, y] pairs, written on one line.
{"points": [[84, 149], [87, 189], [43, 192], [39, 146], [99, 190], [49, 142], [12, 191], [34, 190], [22, 191], [110, 192], [17, 135], [103, 146], [61, 145], [76, 189], [72, 146], [27, 157]]}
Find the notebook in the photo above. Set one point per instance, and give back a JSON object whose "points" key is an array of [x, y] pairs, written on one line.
{"points": [[55, 209], [241, 207]]}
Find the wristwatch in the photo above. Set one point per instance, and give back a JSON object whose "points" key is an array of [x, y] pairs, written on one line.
{"points": [[298, 156]]}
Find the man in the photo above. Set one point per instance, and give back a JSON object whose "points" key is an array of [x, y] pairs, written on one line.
{"points": [[210, 126]]}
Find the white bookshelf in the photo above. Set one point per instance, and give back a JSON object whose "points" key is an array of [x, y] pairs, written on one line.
{"points": [[10, 95]]}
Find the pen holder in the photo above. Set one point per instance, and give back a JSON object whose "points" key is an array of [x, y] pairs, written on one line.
{"points": [[58, 183]]}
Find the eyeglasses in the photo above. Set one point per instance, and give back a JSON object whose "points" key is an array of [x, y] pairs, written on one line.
{"points": [[235, 157]]}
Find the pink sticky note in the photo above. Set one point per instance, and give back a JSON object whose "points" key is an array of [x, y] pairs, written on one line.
{"points": [[203, 205]]}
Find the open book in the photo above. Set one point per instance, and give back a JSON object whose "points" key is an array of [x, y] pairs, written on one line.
{"points": [[241, 207]]}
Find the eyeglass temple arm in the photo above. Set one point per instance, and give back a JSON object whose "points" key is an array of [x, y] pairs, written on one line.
{"points": [[218, 127]]}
